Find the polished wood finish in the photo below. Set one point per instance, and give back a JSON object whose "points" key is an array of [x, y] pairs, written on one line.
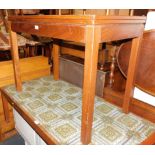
{"points": [[55, 30], [56, 51], [79, 19], [145, 77], [29, 70], [112, 33], [6, 109], [78, 50], [150, 140], [112, 66], [73, 52], [89, 83], [7, 129], [72, 27], [72, 48], [143, 105], [15, 59], [88, 29], [129, 90]]}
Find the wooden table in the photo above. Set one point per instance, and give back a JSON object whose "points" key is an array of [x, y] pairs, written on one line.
{"points": [[90, 30]]}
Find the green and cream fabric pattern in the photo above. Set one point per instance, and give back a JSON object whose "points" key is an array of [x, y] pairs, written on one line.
{"points": [[56, 105]]}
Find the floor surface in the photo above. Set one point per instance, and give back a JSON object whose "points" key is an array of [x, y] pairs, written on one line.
{"points": [[15, 140]]}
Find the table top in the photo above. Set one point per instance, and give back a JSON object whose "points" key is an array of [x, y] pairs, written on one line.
{"points": [[73, 27], [80, 19]]}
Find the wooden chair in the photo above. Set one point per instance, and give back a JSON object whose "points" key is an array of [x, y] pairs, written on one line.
{"points": [[34, 43], [5, 44], [145, 78]]}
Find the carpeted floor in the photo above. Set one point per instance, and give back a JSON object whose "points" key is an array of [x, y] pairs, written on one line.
{"points": [[15, 140]]}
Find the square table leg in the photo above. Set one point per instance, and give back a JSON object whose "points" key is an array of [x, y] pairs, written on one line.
{"points": [[89, 85]]}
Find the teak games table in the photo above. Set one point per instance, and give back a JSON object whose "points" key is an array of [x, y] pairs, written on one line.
{"points": [[90, 30]]}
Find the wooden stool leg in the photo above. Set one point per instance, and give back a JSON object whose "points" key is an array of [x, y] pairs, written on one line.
{"points": [[102, 56], [102, 59], [112, 67]]}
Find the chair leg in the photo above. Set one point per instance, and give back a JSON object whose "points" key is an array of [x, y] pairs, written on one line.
{"points": [[43, 50], [32, 51], [5, 108], [26, 51], [50, 54]]}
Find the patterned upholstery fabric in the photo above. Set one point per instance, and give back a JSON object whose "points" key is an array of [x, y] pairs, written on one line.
{"points": [[22, 40], [4, 45], [33, 39], [56, 105]]}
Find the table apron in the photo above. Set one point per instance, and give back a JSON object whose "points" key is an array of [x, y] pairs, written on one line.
{"points": [[68, 32], [115, 32]]}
